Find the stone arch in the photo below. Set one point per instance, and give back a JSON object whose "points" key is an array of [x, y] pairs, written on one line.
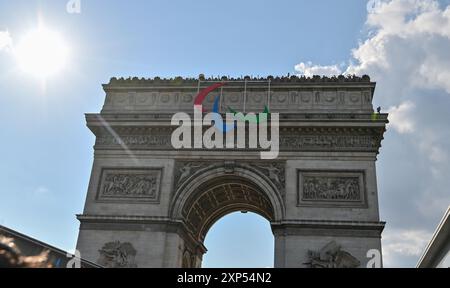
{"points": [[210, 194]]}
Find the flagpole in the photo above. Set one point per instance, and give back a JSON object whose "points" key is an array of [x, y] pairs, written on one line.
{"points": [[245, 94]]}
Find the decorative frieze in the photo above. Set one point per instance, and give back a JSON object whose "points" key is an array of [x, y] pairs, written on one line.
{"points": [[331, 141], [280, 93], [162, 140], [300, 100], [130, 185], [291, 139], [316, 188]]}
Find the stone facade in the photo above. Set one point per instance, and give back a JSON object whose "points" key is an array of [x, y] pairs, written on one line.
{"points": [[153, 205]]}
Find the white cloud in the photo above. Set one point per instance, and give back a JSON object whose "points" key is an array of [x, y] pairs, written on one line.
{"points": [[431, 146], [5, 40], [403, 243], [308, 69], [406, 51], [411, 37], [408, 38], [401, 117], [433, 201]]}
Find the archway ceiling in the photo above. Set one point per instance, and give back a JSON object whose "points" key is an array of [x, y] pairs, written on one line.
{"points": [[217, 198]]}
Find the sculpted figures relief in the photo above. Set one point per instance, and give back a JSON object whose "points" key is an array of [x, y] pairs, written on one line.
{"points": [[185, 169], [331, 188], [130, 184], [310, 142], [188, 260], [274, 171], [332, 256], [291, 139], [117, 255], [157, 141]]}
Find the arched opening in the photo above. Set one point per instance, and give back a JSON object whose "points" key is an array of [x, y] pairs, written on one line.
{"points": [[219, 197], [239, 240], [209, 199]]}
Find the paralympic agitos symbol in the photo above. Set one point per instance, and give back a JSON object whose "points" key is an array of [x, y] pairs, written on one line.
{"points": [[218, 122], [190, 133]]}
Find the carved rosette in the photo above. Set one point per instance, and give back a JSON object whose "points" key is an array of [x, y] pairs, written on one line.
{"points": [[117, 255]]}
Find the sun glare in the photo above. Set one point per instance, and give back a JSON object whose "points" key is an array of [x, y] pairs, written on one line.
{"points": [[42, 53]]}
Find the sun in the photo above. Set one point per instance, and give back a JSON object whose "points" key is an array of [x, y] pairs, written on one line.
{"points": [[42, 53]]}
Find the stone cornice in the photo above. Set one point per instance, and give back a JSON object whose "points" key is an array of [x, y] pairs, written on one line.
{"points": [[337, 224], [334, 223], [306, 117], [124, 222], [365, 137], [180, 81], [122, 218], [328, 228]]}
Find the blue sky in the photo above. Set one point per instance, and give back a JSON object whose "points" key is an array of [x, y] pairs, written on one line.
{"points": [[47, 150]]}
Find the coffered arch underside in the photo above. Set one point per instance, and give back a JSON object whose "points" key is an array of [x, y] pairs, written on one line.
{"points": [[209, 195]]}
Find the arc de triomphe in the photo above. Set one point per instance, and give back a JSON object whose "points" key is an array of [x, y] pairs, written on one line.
{"points": [[150, 205]]}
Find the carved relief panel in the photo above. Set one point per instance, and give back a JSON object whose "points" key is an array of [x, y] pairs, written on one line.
{"points": [[117, 255], [331, 188], [141, 185], [331, 256]]}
